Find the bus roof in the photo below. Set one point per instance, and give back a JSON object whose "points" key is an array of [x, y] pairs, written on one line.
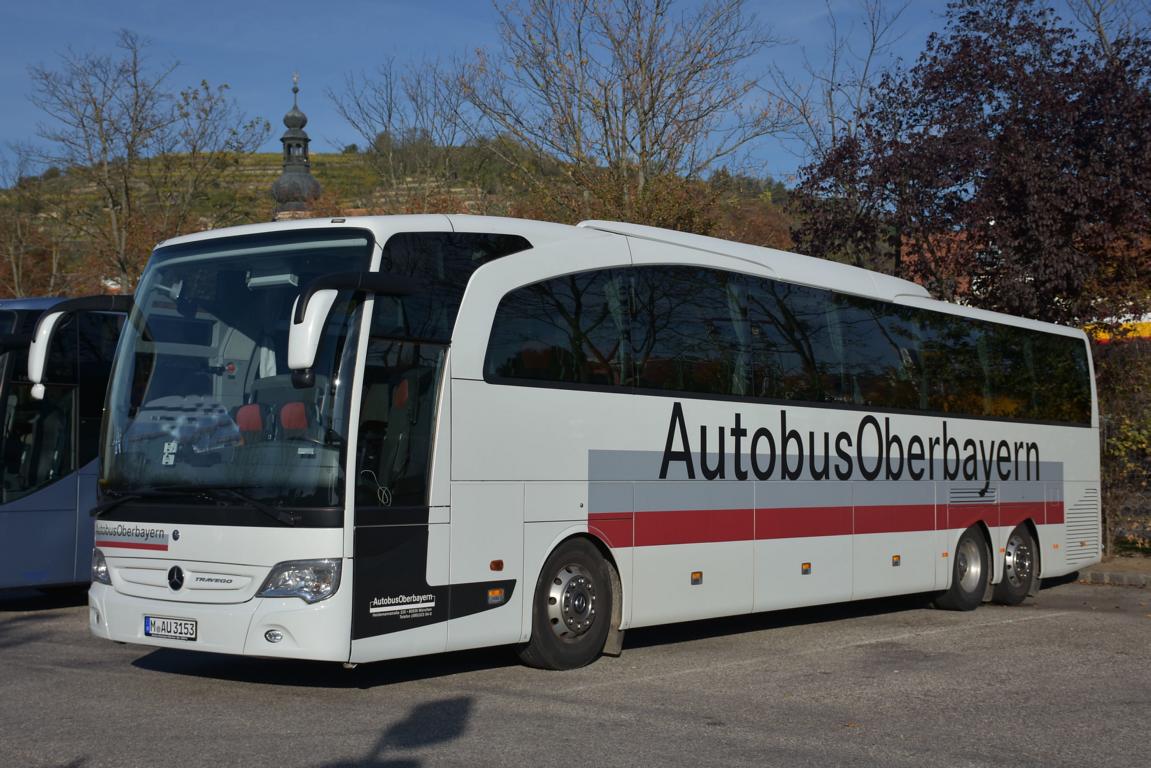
{"points": [[31, 303], [791, 267], [537, 231]]}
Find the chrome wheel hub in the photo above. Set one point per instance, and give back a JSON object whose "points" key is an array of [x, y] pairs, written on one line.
{"points": [[571, 602], [968, 565], [1019, 561]]}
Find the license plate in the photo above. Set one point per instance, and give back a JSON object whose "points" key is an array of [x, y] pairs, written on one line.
{"points": [[172, 629]]}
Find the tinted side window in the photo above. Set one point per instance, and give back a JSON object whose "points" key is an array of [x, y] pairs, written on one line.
{"points": [[705, 331], [37, 442], [881, 353], [98, 335], [60, 367], [799, 344], [441, 264], [1062, 379], [571, 329], [691, 330], [953, 366]]}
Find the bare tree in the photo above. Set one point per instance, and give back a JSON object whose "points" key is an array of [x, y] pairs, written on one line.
{"points": [[829, 99], [147, 154], [409, 119], [620, 94], [1110, 21], [32, 244]]}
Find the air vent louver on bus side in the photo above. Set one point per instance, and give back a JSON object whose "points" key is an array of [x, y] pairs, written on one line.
{"points": [[971, 495], [1082, 528]]}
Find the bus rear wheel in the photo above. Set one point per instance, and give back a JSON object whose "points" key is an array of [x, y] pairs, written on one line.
{"points": [[572, 608], [970, 571], [1019, 568]]}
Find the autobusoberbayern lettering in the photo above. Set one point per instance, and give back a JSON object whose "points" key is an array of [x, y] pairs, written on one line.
{"points": [[871, 448]]}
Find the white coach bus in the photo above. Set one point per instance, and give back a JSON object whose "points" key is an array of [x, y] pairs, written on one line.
{"points": [[369, 438]]}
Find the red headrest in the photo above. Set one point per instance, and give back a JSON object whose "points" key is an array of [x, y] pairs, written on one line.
{"points": [[293, 416], [248, 418], [400, 395]]}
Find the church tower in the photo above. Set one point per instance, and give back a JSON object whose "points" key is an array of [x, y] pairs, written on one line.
{"points": [[296, 188]]}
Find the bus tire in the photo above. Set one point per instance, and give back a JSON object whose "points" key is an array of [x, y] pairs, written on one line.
{"points": [[1019, 568], [970, 571], [572, 608]]}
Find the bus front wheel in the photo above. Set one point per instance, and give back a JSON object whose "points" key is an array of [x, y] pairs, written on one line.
{"points": [[572, 608], [1019, 568], [971, 568]]}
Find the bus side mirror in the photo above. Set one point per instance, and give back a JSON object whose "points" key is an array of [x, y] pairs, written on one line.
{"points": [[304, 335], [38, 350], [310, 313], [50, 321]]}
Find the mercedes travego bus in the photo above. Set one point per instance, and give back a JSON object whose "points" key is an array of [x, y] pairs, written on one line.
{"points": [[49, 444], [369, 438]]}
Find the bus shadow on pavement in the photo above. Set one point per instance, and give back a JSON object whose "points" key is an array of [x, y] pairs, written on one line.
{"points": [[819, 614], [22, 600], [757, 622], [323, 674], [1059, 581]]}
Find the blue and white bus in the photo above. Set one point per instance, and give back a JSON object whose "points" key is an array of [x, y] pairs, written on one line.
{"points": [[49, 445], [369, 438]]}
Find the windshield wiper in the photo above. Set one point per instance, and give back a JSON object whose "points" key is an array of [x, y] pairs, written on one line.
{"points": [[146, 493], [284, 516], [210, 493]]}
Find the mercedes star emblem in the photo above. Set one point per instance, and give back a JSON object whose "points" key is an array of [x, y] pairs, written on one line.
{"points": [[175, 577]]}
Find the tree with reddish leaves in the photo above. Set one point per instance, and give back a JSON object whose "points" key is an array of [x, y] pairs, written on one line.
{"points": [[1009, 167]]}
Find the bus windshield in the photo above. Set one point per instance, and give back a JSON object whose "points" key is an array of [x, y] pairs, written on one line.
{"points": [[201, 397]]}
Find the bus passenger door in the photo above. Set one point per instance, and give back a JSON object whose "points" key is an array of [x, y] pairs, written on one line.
{"points": [[400, 589]]}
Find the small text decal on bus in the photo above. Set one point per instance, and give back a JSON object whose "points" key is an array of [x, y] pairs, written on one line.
{"points": [[131, 536], [403, 606]]}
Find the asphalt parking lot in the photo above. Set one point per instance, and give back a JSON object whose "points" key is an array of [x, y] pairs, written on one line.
{"points": [[1062, 680]]}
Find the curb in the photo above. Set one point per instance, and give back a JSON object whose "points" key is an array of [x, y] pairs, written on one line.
{"points": [[1116, 579]]}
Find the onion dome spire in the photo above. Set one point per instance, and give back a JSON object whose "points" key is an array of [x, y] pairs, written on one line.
{"points": [[295, 188]]}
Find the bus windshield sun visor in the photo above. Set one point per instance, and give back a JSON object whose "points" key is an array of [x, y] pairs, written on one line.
{"points": [[367, 282], [46, 329]]}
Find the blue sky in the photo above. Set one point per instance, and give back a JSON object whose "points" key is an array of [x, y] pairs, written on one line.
{"points": [[256, 45]]}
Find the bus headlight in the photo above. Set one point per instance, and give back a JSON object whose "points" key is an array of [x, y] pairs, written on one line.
{"points": [[309, 580], [100, 568]]}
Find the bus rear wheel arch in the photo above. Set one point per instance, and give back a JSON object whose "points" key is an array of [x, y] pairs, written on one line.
{"points": [[1020, 567], [572, 607], [970, 572]]}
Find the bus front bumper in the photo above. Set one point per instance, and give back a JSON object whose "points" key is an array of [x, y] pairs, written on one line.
{"points": [[270, 627]]}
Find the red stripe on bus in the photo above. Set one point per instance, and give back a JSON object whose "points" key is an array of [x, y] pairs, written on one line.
{"points": [[697, 526], [963, 516], [798, 522], [132, 545], [895, 518], [614, 528], [1012, 513], [693, 526]]}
